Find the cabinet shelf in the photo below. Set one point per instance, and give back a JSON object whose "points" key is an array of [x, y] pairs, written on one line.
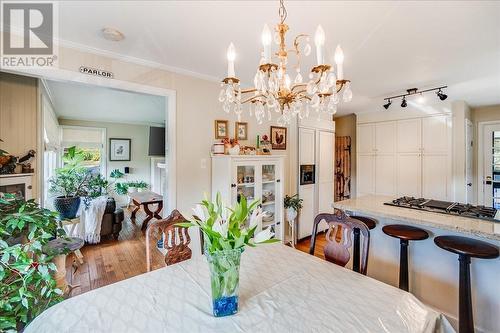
{"points": [[268, 181], [246, 184], [267, 203]]}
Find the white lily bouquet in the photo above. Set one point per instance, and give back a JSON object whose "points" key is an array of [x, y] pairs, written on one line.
{"points": [[226, 231]]}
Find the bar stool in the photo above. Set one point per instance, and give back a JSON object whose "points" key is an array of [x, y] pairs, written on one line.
{"points": [[404, 233], [466, 248], [371, 224]]}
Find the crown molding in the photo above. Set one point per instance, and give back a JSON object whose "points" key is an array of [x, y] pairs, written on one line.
{"points": [[135, 60], [110, 121]]}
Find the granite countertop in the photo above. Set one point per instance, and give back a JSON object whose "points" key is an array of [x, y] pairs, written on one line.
{"points": [[373, 205]]}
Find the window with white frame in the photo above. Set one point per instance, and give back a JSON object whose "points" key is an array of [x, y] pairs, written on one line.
{"points": [[91, 141]]}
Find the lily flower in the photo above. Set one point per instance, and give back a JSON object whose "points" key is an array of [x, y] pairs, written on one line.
{"points": [[256, 218], [263, 236], [199, 212], [221, 227]]}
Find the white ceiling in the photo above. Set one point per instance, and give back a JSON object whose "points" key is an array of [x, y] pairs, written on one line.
{"points": [[85, 102], [389, 45]]}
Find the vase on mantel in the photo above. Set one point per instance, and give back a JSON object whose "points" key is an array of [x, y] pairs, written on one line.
{"points": [[224, 279]]}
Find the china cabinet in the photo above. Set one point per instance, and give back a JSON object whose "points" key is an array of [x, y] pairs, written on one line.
{"points": [[254, 177]]}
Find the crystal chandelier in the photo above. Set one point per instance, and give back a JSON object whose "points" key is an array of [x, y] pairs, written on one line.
{"points": [[274, 90]]}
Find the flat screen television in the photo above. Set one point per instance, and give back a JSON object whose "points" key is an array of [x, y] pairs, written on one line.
{"points": [[157, 141]]}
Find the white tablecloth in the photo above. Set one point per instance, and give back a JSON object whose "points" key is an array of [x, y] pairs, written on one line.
{"points": [[281, 290]]}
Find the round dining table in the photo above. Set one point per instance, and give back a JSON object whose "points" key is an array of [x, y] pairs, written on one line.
{"points": [[281, 290]]}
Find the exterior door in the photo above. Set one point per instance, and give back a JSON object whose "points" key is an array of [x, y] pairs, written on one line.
{"points": [[490, 184]]}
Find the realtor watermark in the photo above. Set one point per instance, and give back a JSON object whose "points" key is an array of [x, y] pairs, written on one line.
{"points": [[29, 30]]}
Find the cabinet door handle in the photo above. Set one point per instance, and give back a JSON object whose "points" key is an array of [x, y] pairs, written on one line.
{"points": [[278, 180], [233, 185]]}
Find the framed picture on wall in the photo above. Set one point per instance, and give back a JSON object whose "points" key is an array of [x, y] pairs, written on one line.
{"points": [[119, 149], [278, 138], [221, 129], [241, 131]]}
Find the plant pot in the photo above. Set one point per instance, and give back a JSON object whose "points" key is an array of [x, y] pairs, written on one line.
{"points": [[67, 207], [291, 214], [225, 279]]}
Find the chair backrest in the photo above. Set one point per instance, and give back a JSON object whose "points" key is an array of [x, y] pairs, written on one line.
{"points": [[339, 238], [175, 239]]}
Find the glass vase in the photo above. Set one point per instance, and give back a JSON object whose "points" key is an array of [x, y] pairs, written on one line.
{"points": [[225, 279]]}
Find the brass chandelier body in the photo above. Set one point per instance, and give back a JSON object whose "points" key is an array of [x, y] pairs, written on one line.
{"points": [[273, 88]]}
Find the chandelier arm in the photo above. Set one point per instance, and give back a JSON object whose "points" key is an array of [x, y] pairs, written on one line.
{"points": [[246, 91], [252, 99]]}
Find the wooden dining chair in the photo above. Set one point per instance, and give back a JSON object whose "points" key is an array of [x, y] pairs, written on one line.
{"points": [[174, 239], [339, 238]]}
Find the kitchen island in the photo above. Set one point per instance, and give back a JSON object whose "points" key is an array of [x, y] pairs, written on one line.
{"points": [[433, 273]]}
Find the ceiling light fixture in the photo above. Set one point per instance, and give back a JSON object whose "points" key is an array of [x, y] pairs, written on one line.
{"points": [[275, 91], [386, 106], [112, 34], [441, 95], [414, 91], [403, 102]]}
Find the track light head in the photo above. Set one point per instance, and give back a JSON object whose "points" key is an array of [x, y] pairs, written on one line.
{"points": [[403, 103], [386, 106], [442, 96]]}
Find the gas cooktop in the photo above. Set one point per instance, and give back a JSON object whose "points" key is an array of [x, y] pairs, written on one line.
{"points": [[446, 207]]}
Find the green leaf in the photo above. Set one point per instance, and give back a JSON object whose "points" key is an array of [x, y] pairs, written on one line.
{"points": [[185, 224]]}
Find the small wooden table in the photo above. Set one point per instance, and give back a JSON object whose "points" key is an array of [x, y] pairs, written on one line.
{"points": [[145, 199]]}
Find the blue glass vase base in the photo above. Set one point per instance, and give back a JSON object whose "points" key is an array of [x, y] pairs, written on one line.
{"points": [[225, 306]]}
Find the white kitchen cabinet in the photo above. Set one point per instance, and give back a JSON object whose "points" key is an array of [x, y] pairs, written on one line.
{"points": [[385, 174], [326, 151], [385, 134], [409, 136], [306, 146], [254, 177], [435, 134], [365, 174], [308, 211], [316, 147], [365, 138], [435, 177], [409, 174], [408, 157]]}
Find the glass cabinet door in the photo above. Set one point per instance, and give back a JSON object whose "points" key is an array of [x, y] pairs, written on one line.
{"points": [[269, 196], [245, 182]]}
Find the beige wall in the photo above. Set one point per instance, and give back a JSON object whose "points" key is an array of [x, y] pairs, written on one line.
{"points": [[481, 114], [19, 114], [346, 126]]}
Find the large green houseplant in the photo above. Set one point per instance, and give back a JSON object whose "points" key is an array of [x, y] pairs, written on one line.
{"points": [[26, 285]]}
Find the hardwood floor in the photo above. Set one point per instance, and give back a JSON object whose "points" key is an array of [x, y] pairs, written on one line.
{"points": [[113, 260], [304, 244]]}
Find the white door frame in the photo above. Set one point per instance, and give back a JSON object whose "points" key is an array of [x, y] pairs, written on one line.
{"points": [[58, 74], [480, 159]]}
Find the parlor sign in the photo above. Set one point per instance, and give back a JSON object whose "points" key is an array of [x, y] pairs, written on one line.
{"points": [[96, 72]]}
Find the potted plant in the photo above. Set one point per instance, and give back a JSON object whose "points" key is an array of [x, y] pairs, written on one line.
{"points": [[226, 233], [292, 206], [69, 184], [141, 186], [26, 284], [132, 187]]}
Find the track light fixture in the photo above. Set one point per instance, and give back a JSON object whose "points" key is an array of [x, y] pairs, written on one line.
{"points": [[386, 106], [414, 91], [442, 96]]}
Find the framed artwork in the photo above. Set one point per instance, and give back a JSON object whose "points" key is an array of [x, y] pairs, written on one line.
{"points": [[119, 149], [241, 131], [221, 129], [278, 138]]}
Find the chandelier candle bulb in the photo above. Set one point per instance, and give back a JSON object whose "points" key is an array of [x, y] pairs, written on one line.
{"points": [[339, 60], [266, 42], [231, 55], [319, 41]]}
